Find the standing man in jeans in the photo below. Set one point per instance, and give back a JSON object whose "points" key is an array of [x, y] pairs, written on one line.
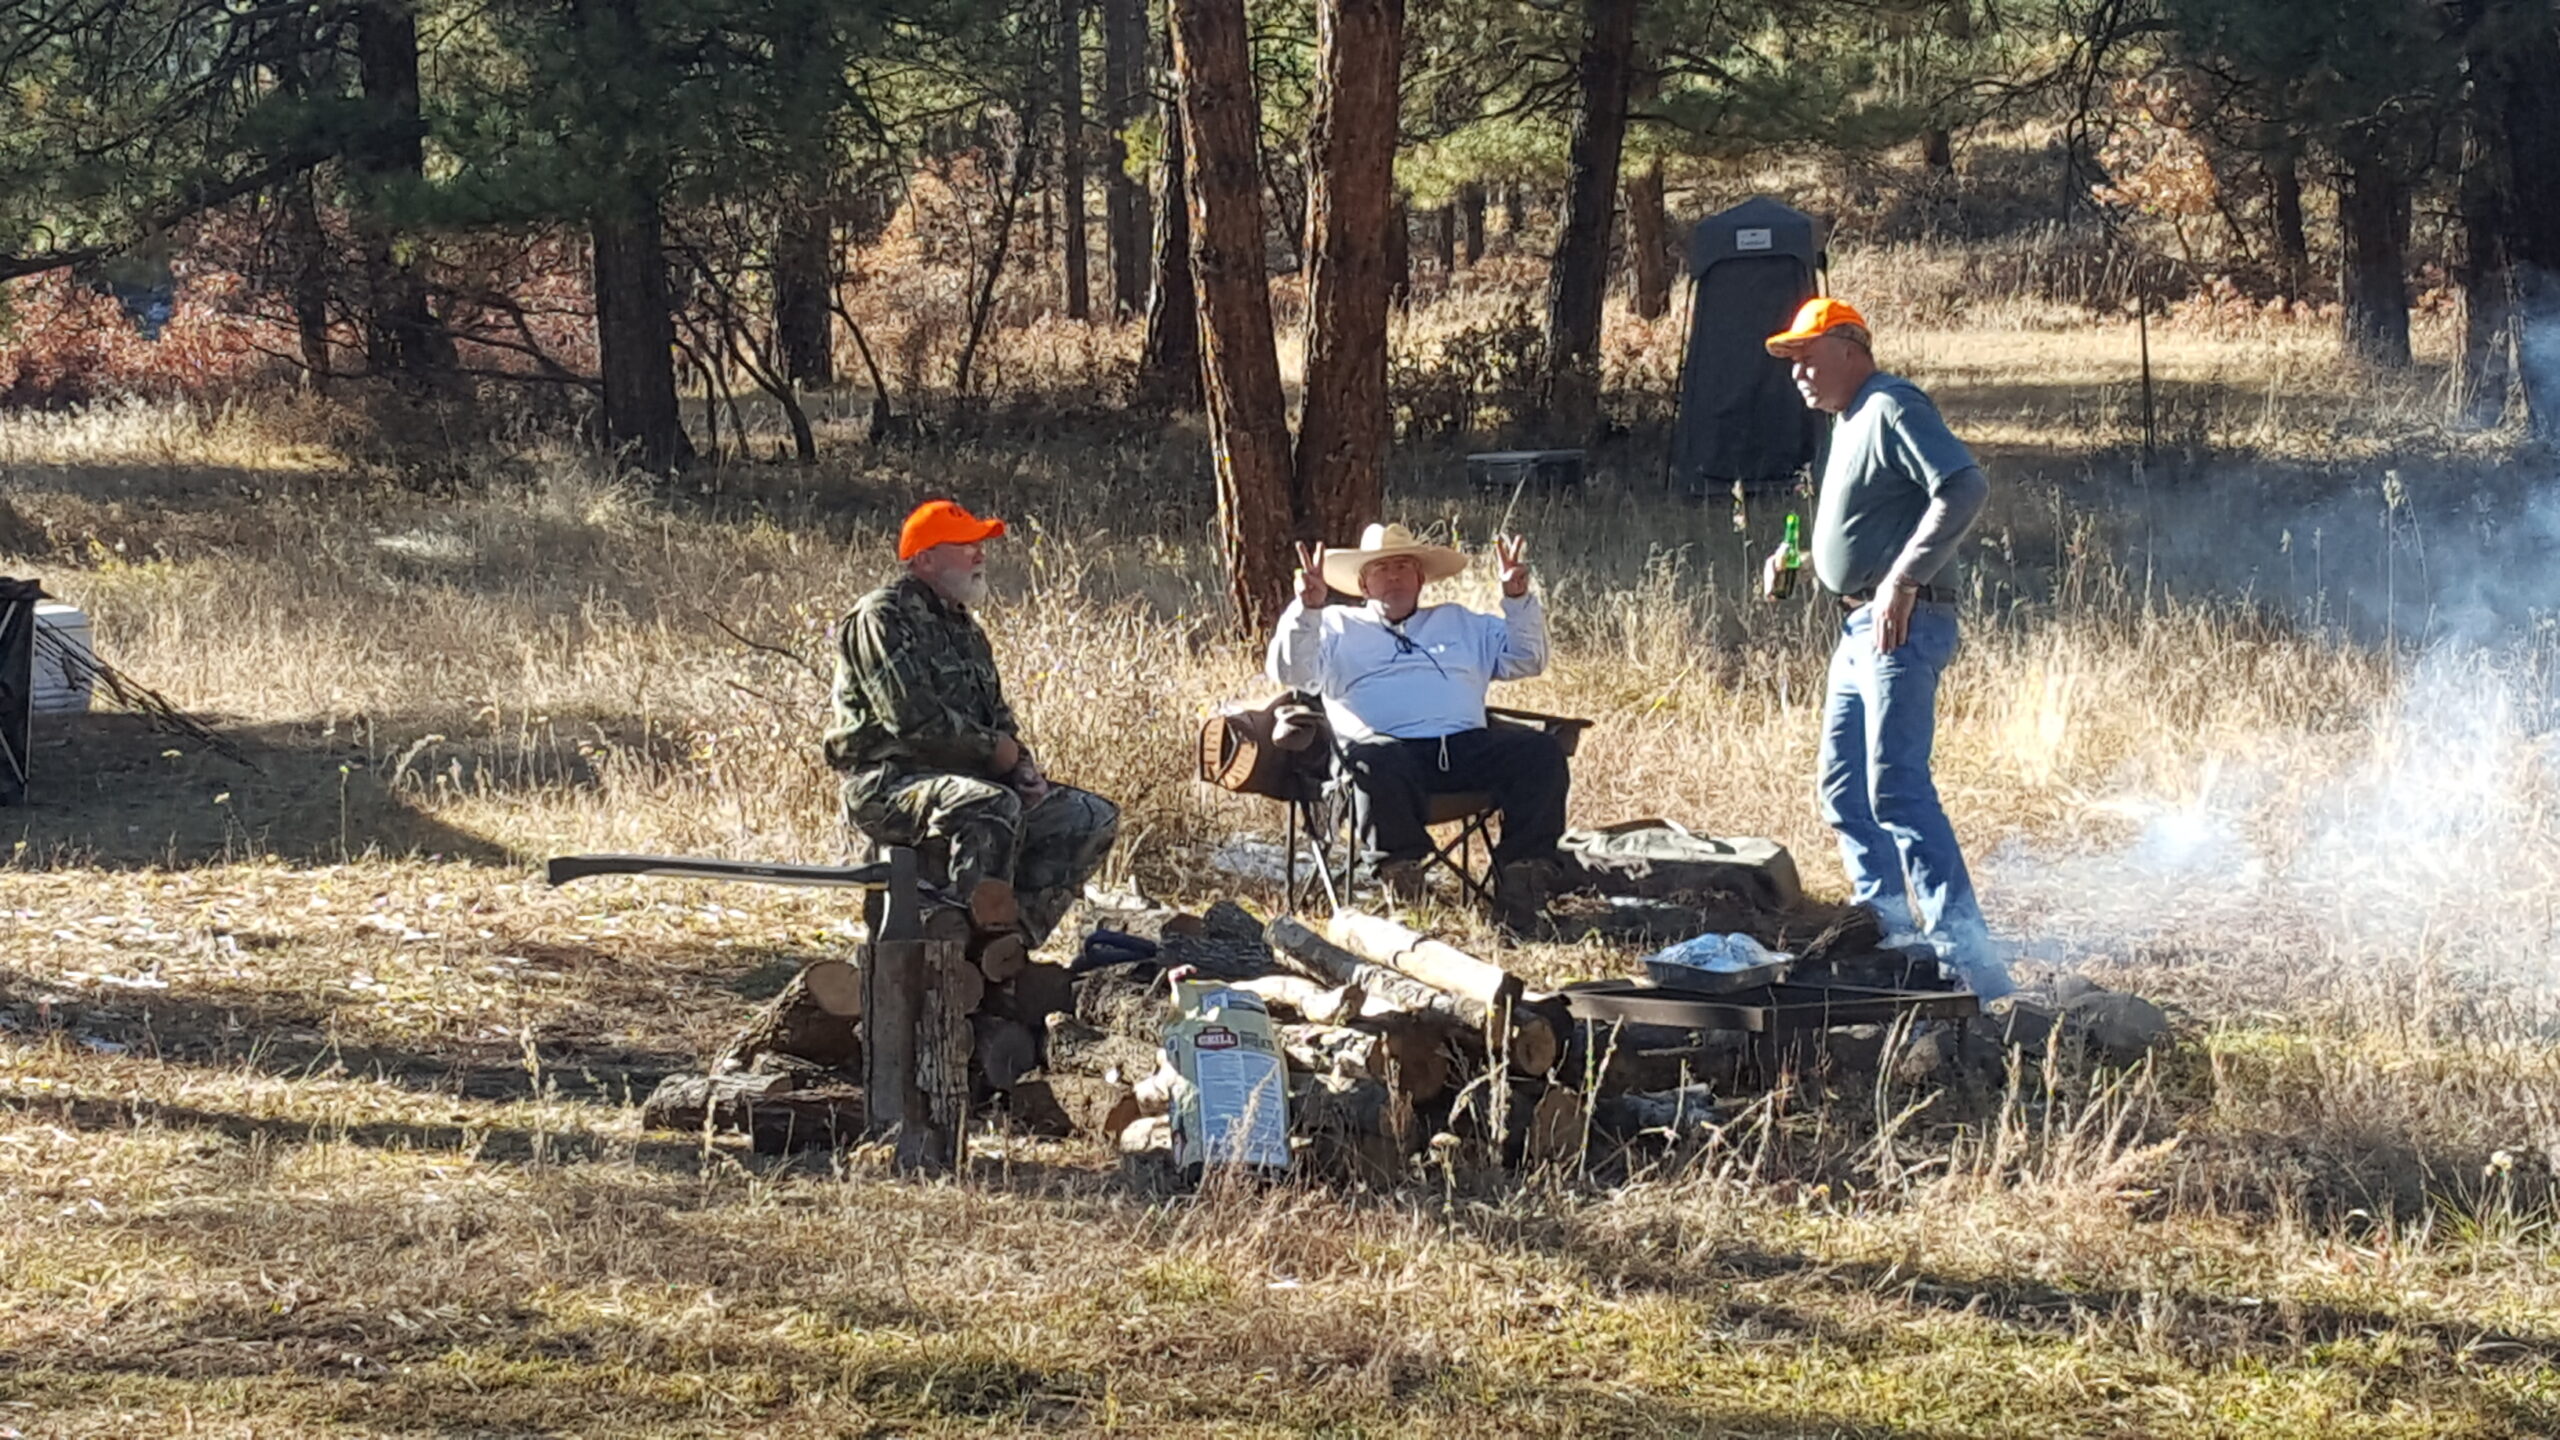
{"points": [[1899, 491]]}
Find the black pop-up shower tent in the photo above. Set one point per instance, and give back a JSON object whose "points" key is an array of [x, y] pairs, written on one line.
{"points": [[1750, 268]]}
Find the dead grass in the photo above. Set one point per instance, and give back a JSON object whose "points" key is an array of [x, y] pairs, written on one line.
{"points": [[315, 1106]]}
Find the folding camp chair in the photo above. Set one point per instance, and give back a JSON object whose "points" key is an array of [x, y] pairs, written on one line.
{"points": [[1324, 817]]}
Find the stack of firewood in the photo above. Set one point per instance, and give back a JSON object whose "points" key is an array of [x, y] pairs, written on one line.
{"points": [[1397, 1045]]}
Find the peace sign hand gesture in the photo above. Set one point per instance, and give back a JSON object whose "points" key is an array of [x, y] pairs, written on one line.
{"points": [[1312, 591], [1511, 554]]}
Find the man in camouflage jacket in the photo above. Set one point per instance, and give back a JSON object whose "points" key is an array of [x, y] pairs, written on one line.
{"points": [[929, 748]]}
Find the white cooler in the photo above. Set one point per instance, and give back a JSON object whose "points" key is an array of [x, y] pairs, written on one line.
{"points": [[60, 688]]}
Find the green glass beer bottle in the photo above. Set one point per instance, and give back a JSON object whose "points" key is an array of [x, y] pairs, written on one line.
{"points": [[1790, 560]]}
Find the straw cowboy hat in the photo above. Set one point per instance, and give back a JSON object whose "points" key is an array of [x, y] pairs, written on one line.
{"points": [[1385, 542]]}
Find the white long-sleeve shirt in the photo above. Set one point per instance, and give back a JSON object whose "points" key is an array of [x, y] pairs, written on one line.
{"points": [[1417, 681]]}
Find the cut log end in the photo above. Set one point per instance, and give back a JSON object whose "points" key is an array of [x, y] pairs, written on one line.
{"points": [[993, 908], [834, 987], [1002, 957]]}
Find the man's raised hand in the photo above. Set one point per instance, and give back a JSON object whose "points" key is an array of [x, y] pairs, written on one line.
{"points": [[1312, 591], [1511, 554]]}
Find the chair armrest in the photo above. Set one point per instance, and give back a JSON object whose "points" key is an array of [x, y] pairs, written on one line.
{"points": [[1565, 728]]}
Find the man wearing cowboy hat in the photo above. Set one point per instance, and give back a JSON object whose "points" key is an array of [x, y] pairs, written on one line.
{"points": [[1899, 491], [1404, 686], [927, 744]]}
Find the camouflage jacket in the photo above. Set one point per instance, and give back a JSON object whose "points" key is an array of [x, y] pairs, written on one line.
{"points": [[916, 686]]}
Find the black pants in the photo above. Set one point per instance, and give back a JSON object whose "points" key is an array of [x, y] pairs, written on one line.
{"points": [[1523, 769]]}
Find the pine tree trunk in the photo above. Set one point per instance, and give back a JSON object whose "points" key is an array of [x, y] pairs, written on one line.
{"points": [[310, 249], [1124, 200], [2293, 246], [1648, 244], [1578, 275], [2530, 127], [1938, 151], [1169, 362], [1444, 239], [636, 335], [1071, 157], [2373, 208], [1248, 417], [803, 292], [1471, 219], [402, 338], [1351, 250], [1515, 212], [2482, 371], [1400, 255], [1342, 431]]}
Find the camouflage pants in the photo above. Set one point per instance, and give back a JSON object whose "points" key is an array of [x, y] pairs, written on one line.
{"points": [[1047, 852]]}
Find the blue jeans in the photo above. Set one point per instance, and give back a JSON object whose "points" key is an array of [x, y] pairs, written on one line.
{"points": [[1878, 722]]}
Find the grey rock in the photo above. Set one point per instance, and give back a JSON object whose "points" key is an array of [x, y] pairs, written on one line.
{"points": [[2122, 1029]]}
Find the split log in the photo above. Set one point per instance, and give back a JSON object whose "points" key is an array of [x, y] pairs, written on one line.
{"points": [[1536, 1034], [775, 1118], [1410, 1058], [948, 922], [1123, 999], [1077, 1048], [1554, 1135], [1293, 996], [1613, 1057], [1001, 957], [1216, 956], [817, 1018], [1030, 998], [1004, 1050], [1033, 1105], [1351, 1129], [1683, 1112], [1089, 1104]]}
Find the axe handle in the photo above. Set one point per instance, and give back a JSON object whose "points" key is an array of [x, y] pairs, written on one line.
{"points": [[565, 868]]}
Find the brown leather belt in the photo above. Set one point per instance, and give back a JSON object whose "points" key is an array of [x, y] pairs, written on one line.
{"points": [[1933, 594]]}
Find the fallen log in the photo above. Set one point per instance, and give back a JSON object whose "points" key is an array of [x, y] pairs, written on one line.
{"points": [[1435, 963], [1536, 1036], [817, 1017], [775, 1118]]}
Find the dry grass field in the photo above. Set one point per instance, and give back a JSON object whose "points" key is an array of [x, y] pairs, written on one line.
{"points": [[317, 1110]]}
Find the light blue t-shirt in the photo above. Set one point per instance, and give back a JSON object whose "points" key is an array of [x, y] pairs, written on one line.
{"points": [[1891, 454], [1419, 680]]}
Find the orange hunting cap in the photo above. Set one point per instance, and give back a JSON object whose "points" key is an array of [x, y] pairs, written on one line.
{"points": [[1820, 316], [943, 522]]}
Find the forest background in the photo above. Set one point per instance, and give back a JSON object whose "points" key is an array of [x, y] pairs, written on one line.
{"points": [[480, 411]]}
